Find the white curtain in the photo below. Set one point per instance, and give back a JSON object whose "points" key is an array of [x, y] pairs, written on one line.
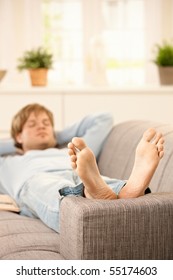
{"points": [[20, 30]]}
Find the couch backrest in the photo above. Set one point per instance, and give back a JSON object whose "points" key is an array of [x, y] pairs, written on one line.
{"points": [[117, 157]]}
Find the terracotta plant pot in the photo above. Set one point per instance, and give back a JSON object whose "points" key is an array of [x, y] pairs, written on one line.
{"points": [[38, 76], [2, 74], [166, 75]]}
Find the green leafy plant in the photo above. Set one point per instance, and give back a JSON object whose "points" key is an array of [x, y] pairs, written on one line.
{"points": [[35, 58], [164, 55]]}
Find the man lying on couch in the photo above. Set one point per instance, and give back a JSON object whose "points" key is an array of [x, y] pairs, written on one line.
{"points": [[40, 177]]}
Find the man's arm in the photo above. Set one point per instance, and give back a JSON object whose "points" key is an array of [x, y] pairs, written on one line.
{"points": [[93, 129], [7, 146]]}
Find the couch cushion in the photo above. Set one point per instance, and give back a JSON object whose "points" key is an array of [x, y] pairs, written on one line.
{"points": [[26, 238], [117, 157]]}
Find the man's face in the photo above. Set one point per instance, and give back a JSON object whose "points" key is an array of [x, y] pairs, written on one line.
{"points": [[37, 133]]}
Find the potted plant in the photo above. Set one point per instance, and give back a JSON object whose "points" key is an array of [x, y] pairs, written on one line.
{"points": [[2, 74], [164, 61], [37, 62]]}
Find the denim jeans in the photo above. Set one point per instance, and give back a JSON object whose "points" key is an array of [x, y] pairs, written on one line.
{"points": [[41, 195]]}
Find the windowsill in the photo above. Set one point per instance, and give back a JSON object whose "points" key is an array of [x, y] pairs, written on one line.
{"points": [[67, 89]]}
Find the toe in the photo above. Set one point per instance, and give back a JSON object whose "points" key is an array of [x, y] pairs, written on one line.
{"points": [[161, 154], [71, 149], [73, 165], [161, 140], [160, 148], [79, 143], [149, 134], [160, 143], [73, 158], [70, 152], [70, 145], [157, 138]]}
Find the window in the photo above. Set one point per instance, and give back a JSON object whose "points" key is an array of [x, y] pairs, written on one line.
{"points": [[96, 41], [123, 35], [62, 34], [93, 41]]}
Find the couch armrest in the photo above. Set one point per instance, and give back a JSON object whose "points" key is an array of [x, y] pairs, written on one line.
{"points": [[139, 228]]}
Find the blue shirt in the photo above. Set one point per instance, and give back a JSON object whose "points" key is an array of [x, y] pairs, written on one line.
{"points": [[16, 170]]}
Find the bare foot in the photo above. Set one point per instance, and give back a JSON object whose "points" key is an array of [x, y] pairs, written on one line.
{"points": [[148, 154], [84, 163]]}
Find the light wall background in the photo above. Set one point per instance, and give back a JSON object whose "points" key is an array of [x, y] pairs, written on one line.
{"points": [[21, 29]]}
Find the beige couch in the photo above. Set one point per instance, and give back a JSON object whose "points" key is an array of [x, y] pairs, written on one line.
{"points": [[140, 228]]}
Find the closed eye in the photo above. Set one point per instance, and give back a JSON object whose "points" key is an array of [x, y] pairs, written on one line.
{"points": [[31, 124], [46, 122]]}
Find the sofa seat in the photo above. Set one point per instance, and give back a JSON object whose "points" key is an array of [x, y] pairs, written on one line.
{"points": [[138, 228], [27, 238]]}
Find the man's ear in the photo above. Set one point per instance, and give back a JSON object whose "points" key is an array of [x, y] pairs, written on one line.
{"points": [[19, 138]]}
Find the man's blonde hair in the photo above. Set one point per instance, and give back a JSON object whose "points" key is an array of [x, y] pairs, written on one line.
{"points": [[21, 117]]}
